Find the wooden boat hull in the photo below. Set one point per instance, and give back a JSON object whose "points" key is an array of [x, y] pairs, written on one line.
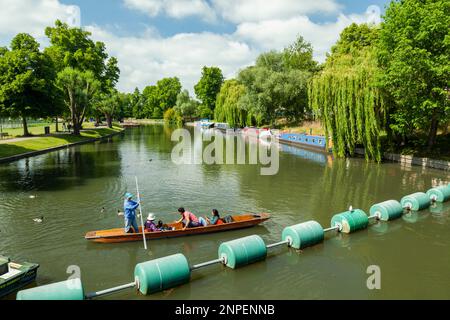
{"points": [[28, 273], [118, 235]]}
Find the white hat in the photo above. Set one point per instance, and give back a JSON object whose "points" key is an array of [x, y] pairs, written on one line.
{"points": [[151, 217]]}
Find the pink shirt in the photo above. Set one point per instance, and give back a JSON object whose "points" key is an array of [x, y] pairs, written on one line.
{"points": [[189, 215]]}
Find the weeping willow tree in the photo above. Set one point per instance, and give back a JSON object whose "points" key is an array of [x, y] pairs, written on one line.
{"points": [[345, 97], [228, 106]]}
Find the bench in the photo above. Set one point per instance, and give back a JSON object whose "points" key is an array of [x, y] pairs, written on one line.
{"points": [[4, 135]]}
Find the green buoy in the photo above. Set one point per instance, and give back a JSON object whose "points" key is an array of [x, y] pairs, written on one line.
{"points": [[387, 211], [350, 221], [416, 201], [439, 194], [242, 252], [304, 235], [65, 290], [162, 274]]}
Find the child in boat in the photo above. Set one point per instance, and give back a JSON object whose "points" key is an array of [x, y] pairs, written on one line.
{"points": [[150, 225], [163, 227], [215, 220]]}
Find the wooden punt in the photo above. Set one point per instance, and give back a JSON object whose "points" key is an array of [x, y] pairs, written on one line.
{"points": [[119, 235]]}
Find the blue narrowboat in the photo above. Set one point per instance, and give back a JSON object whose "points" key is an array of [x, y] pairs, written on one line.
{"points": [[299, 139], [205, 124]]}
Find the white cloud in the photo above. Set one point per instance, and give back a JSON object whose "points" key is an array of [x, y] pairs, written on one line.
{"points": [[33, 16], [145, 59], [277, 34], [258, 10], [174, 8]]}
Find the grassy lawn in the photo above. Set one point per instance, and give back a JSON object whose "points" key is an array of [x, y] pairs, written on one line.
{"points": [[35, 129], [41, 143]]}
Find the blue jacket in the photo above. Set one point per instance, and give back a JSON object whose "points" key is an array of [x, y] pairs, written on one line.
{"points": [[130, 207]]}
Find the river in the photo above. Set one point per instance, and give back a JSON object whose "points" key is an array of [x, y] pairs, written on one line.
{"points": [[70, 187]]}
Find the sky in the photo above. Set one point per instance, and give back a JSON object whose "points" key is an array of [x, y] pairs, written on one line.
{"points": [[153, 39]]}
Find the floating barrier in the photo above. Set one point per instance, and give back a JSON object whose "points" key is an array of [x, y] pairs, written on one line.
{"points": [[304, 235], [350, 221], [242, 252], [387, 211], [65, 290], [439, 194], [416, 201], [162, 274], [172, 271]]}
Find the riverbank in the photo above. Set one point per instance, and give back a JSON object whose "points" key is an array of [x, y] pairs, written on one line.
{"points": [[12, 150]]}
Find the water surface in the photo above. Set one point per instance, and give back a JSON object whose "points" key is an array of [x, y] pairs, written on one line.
{"points": [[72, 185]]}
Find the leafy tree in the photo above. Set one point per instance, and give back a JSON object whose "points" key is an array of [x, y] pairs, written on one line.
{"points": [[80, 88], [228, 108], [159, 98], [186, 106], [151, 101], [136, 100], [277, 85], [168, 90], [80, 61], [414, 55], [27, 81], [109, 105], [73, 47], [209, 86], [204, 112], [345, 95], [299, 56], [171, 117]]}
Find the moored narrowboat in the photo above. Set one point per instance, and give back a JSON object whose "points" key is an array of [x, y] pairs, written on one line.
{"points": [[299, 139]]}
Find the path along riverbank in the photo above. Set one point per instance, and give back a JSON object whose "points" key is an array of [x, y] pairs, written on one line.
{"points": [[20, 148]]}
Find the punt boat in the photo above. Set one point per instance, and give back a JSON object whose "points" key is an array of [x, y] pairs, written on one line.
{"points": [[119, 235]]}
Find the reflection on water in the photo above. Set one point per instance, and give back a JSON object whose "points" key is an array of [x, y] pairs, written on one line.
{"points": [[72, 185]]}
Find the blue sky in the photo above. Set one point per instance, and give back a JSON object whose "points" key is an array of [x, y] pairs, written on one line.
{"points": [[159, 38]]}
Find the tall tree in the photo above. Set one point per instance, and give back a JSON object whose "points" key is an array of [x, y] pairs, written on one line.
{"points": [[80, 61], [415, 54], [151, 104], [27, 79], [109, 104], [136, 100], [168, 91], [345, 95], [277, 86], [80, 87], [209, 86], [228, 108], [186, 106]]}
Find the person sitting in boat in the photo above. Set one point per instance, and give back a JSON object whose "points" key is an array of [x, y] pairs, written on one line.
{"points": [[130, 207], [150, 225], [190, 220], [215, 220], [163, 227]]}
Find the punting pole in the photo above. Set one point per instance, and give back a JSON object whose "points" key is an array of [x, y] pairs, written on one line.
{"points": [[140, 209], [110, 291]]}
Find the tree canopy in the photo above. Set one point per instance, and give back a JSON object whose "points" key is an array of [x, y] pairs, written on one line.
{"points": [[27, 81], [209, 86], [84, 69], [414, 54], [345, 96]]}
